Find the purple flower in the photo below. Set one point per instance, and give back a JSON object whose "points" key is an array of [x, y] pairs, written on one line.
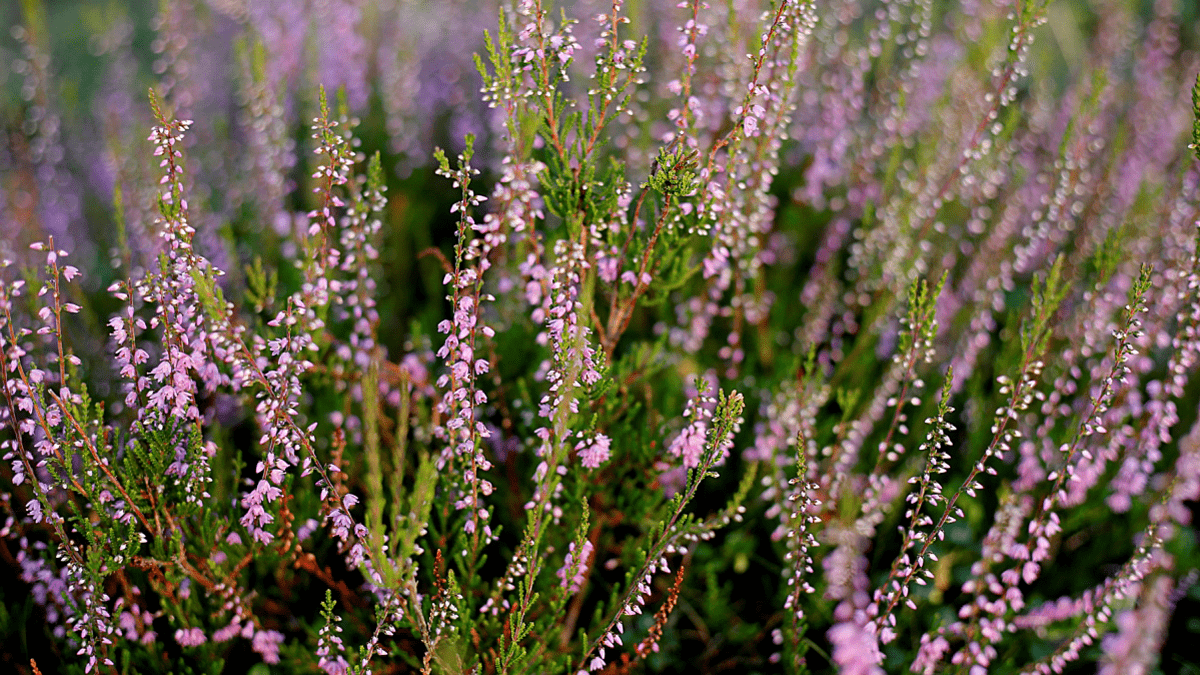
{"points": [[594, 451], [266, 643], [573, 572], [689, 444], [855, 649], [190, 637]]}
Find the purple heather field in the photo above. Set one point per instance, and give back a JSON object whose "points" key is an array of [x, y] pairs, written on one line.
{"points": [[612, 336]]}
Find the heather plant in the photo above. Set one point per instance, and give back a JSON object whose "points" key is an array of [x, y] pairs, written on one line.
{"points": [[608, 337]]}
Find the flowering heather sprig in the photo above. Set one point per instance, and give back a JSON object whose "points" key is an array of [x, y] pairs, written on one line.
{"points": [[91, 620], [1019, 398], [928, 494], [618, 69], [277, 365], [690, 443], [575, 567], [462, 431], [51, 415], [918, 329], [542, 55], [274, 365], [1160, 413], [322, 255], [178, 313], [1047, 295], [988, 620], [736, 210], [329, 641], [726, 420], [685, 115], [40, 402], [575, 366], [799, 516], [1045, 522], [275, 407]]}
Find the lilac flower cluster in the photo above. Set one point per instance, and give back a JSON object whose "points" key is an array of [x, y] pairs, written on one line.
{"points": [[463, 432]]}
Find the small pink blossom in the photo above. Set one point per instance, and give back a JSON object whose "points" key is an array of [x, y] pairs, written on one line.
{"points": [[190, 637], [573, 573], [595, 451], [689, 444]]}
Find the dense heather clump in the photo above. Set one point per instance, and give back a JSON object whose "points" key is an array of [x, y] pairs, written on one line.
{"points": [[854, 336]]}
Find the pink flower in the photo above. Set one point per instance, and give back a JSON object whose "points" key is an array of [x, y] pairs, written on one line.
{"points": [[190, 637], [595, 452], [855, 649], [689, 444], [574, 570], [266, 642]]}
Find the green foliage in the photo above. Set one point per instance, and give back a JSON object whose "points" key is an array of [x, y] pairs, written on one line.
{"points": [[673, 173], [1048, 293]]}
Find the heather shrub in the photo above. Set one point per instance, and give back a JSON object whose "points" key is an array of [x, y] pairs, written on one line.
{"points": [[607, 337]]}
